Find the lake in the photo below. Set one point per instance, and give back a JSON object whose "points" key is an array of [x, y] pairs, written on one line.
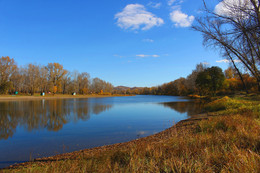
{"points": [[39, 128]]}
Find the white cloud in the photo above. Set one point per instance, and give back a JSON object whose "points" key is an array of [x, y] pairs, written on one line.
{"points": [[154, 5], [226, 7], [223, 60], [181, 19], [135, 16], [148, 40], [146, 56], [227, 61]]}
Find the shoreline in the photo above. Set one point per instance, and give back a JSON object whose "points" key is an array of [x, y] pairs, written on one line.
{"points": [[152, 139], [225, 139], [57, 96]]}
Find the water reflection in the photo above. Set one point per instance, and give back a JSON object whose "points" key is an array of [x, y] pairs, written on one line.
{"points": [[45, 114], [191, 108]]}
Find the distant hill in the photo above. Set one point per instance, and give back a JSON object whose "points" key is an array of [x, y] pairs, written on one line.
{"points": [[122, 88]]}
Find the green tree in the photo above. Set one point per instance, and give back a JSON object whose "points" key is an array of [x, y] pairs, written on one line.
{"points": [[210, 80]]}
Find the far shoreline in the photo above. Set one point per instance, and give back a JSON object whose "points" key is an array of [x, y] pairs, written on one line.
{"points": [[56, 96]]}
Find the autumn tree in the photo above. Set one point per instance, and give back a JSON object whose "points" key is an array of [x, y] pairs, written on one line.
{"points": [[180, 86], [230, 73], [191, 79], [108, 87], [7, 68], [83, 82], [97, 85], [32, 77], [18, 80], [56, 72], [234, 28]]}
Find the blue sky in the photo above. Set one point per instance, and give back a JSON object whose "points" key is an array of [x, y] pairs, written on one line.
{"points": [[126, 42]]}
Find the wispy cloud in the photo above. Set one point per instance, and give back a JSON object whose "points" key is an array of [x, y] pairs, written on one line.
{"points": [[174, 2], [135, 16], [120, 56], [181, 19], [170, 2], [227, 61], [146, 56], [148, 40], [205, 63], [154, 5]]}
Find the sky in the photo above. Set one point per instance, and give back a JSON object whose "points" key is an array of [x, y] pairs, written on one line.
{"points": [[125, 42]]}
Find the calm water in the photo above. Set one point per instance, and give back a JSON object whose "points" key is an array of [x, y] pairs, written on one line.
{"points": [[32, 129]]}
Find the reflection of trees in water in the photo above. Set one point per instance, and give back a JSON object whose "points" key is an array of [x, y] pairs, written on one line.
{"points": [[7, 123], [97, 108], [191, 108], [51, 114]]}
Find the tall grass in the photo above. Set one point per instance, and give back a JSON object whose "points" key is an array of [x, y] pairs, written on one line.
{"points": [[226, 142]]}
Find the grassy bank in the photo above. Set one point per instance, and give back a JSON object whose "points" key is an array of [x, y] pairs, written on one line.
{"points": [[225, 139]]}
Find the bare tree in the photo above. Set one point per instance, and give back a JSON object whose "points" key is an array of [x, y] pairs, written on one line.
{"points": [[43, 82], [97, 85], [234, 28], [65, 81], [74, 80], [32, 77]]}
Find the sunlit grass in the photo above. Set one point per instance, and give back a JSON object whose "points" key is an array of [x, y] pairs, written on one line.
{"points": [[228, 141]]}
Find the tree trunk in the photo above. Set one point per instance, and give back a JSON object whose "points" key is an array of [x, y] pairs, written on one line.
{"points": [[240, 75], [258, 84], [32, 91]]}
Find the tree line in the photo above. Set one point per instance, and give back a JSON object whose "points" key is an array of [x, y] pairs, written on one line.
{"points": [[52, 78], [204, 80]]}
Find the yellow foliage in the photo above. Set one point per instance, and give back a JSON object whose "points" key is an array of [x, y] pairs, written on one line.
{"points": [[55, 88], [84, 91]]}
